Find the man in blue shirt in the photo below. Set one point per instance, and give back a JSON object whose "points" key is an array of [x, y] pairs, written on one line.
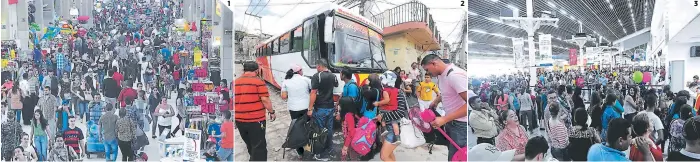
{"points": [[618, 140]]}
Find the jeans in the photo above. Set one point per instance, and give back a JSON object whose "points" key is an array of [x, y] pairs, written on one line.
{"points": [[226, 154], [42, 146], [324, 118], [18, 114], [111, 151], [127, 152], [457, 130], [391, 137], [480, 140], [253, 134], [83, 110]]}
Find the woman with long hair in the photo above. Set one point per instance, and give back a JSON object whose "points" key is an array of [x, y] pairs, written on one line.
{"points": [[15, 97], [582, 137], [501, 101], [40, 134], [595, 110], [610, 112], [224, 101]]}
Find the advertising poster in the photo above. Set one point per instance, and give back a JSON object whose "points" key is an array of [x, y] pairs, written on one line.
{"points": [[193, 143]]}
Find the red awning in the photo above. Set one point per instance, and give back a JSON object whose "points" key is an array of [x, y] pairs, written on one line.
{"points": [[83, 18]]}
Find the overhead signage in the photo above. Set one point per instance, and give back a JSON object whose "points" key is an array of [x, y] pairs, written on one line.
{"points": [[545, 45], [518, 44]]}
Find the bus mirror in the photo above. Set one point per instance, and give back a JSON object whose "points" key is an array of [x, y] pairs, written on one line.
{"points": [[328, 33]]}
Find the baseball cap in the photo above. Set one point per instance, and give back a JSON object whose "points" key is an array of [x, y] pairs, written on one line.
{"points": [[488, 152], [295, 67]]}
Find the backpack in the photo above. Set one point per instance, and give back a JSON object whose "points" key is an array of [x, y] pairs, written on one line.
{"points": [[365, 135], [317, 137], [352, 102], [298, 134], [516, 102]]}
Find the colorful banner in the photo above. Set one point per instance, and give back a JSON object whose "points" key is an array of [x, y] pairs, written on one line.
{"points": [[572, 56], [545, 46]]}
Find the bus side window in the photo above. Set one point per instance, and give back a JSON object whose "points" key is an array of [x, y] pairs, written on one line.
{"points": [[297, 39], [310, 46]]}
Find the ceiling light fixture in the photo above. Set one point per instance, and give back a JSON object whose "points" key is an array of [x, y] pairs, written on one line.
{"points": [[551, 4], [563, 12], [494, 0], [611, 6]]}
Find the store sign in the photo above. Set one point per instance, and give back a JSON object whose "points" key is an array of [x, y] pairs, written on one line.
{"points": [[192, 145], [545, 45], [518, 44], [572, 56]]}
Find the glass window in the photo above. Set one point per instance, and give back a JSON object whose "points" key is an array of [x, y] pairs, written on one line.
{"points": [[356, 46], [311, 51], [275, 47], [297, 39], [284, 43]]}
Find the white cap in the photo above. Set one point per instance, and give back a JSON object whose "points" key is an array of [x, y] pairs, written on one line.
{"points": [[488, 152]]}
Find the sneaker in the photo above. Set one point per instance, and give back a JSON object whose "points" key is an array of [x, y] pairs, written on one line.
{"points": [[321, 157]]}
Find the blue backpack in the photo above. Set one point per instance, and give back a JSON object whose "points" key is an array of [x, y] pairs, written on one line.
{"points": [[516, 102]]}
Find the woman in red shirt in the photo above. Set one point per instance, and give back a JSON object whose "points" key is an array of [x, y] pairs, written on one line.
{"points": [[641, 128]]}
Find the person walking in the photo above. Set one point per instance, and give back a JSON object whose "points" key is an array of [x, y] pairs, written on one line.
{"points": [[125, 134], [295, 89], [454, 89], [15, 97], [11, 134], [153, 102], [321, 100], [165, 113], [48, 105], [251, 102], [226, 151], [108, 127], [39, 133], [111, 89]]}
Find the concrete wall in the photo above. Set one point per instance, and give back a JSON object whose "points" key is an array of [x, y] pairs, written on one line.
{"points": [[401, 51], [681, 51]]}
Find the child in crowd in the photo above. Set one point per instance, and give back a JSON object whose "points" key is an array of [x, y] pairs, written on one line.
{"points": [[388, 103], [425, 91]]}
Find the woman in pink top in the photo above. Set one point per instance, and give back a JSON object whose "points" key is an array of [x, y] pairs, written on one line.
{"points": [[501, 101]]}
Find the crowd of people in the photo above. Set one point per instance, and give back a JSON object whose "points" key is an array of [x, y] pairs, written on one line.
{"points": [[381, 101], [591, 115], [116, 77]]}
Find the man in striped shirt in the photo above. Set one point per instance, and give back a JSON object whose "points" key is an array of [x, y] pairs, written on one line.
{"points": [[251, 101], [61, 61]]}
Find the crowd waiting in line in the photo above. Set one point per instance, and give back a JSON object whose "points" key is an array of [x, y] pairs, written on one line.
{"points": [[625, 119]]}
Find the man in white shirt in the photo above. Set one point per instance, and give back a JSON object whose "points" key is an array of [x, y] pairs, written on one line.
{"points": [[24, 85], [651, 103]]}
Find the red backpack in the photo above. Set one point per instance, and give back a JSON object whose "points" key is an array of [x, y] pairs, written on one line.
{"points": [[364, 136]]}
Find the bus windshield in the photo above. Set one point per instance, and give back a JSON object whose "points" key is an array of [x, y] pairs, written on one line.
{"points": [[357, 46]]}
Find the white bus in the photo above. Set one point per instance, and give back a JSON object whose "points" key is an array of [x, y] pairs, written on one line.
{"points": [[346, 40]]}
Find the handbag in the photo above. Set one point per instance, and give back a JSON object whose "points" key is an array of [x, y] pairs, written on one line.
{"points": [[411, 137]]}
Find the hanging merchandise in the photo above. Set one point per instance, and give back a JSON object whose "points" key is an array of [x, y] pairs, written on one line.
{"points": [[197, 58]]}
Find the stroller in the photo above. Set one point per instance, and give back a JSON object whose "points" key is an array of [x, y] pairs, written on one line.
{"points": [[94, 144]]}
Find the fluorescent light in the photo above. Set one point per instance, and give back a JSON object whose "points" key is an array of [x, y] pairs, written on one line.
{"points": [[551, 4], [499, 35], [563, 12], [478, 31], [471, 42], [572, 18], [612, 7], [494, 0], [494, 20], [472, 13], [513, 7]]}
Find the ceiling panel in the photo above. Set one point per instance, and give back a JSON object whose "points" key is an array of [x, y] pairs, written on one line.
{"points": [[606, 19]]}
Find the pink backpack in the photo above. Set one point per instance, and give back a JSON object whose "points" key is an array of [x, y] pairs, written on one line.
{"points": [[461, 155], [364, 136]]}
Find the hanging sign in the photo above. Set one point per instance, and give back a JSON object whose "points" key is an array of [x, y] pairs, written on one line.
{"points": [[518, 44], [572, 56], [545, 45]]}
